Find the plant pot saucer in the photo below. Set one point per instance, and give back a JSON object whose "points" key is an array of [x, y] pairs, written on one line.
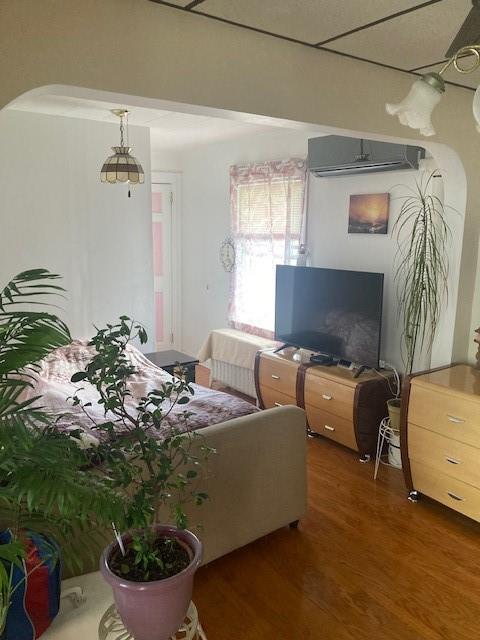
{"points": [[111, 626]]}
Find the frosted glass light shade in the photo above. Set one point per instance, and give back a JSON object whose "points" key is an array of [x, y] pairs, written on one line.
{"points": [[416, 109], [122, 167], [476, 108]]}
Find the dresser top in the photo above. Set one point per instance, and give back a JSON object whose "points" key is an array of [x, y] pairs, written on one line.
{"points": [[344, 376], [334, 373], [459, 379]]}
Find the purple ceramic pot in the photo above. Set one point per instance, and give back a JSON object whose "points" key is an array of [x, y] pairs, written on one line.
{"points": [[155, 610]]}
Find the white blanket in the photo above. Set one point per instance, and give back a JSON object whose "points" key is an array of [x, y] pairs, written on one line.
{"points": [[234, 347]]}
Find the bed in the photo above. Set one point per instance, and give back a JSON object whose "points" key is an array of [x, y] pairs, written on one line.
{"points": [[257, 480]]}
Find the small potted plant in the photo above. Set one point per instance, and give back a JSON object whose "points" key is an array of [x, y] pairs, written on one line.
{"points": [[46, 494], [155, 463]]}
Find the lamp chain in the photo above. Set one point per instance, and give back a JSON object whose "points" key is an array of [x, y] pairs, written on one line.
{"points": [[122, 144]]}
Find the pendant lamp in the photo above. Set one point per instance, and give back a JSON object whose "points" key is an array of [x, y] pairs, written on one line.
{"points": [[122, 166]]}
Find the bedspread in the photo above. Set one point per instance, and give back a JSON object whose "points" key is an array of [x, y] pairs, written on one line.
{"points": [[52, 383]]}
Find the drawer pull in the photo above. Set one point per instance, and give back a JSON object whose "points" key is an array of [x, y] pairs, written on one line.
{"points": [[325, 397], [455, 420], [275, 377], [453, 460], [455, 497], [328, 428], [277, 404]]}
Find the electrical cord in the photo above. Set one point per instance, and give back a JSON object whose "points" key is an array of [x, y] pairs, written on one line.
{"points": [[395, 391]]}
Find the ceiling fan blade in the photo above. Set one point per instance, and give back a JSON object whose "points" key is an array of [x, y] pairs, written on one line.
{"points": [[469, 31]]}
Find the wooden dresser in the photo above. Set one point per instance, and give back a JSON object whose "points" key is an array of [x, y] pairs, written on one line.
{"points": [[338, 406], [441, 437]]}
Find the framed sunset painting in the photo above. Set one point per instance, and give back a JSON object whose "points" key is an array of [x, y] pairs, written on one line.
{"points": [[368, 213]]}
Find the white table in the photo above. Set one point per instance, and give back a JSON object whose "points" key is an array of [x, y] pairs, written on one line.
{"points": [[81, 622]]}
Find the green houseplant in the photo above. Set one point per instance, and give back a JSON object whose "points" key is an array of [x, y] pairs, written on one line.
{"points": [[155, 462], [44, 484], [420, 271]]}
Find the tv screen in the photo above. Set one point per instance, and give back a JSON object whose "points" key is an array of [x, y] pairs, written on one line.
{"points": [[330, 311]]}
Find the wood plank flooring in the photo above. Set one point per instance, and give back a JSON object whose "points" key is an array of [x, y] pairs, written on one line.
{"points": [[364, 564]]}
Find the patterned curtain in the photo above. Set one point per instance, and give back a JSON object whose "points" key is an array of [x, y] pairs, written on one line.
{"points": [[267, 204]]}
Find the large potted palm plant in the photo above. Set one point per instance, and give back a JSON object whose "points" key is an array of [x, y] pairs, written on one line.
{"points": [[46, 492], [421, 272], [155, 463]]}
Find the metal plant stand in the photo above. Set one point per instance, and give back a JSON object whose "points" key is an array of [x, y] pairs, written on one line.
{"points": [[111, 626], [385, 434]]}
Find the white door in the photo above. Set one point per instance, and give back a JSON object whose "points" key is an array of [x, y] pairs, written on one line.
{"points": [[162, 201]]}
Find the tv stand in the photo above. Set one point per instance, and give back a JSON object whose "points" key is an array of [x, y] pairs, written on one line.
{"points": [[338, 406]]}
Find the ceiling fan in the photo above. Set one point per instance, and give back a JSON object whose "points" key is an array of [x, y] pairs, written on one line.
{"points": [[469, 32], [415, 110]]}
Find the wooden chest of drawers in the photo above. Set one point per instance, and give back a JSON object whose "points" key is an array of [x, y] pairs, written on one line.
{"points": [[338, 406], [277, 378], [346, 409], [441, 438]]}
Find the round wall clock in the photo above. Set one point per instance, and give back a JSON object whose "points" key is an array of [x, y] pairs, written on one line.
{"points": [[227, 255]]}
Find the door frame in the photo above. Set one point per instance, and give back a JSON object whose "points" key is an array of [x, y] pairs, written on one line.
{"points": [[175, 179]]}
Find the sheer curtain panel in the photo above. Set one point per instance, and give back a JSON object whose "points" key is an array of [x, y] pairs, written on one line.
{"points": [[267, 206]]}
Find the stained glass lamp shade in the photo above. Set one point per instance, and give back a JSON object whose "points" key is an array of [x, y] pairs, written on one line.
{"points": [[122, 166]]}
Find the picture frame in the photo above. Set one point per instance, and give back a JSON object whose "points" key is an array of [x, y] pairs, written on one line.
{"points": [[368, 213]]}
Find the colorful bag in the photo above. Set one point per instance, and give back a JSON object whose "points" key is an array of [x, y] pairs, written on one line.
{"points": [[36, 601]]}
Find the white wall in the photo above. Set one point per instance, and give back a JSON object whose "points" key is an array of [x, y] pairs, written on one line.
{"points": [[332, 246], [168, 161], [206, 222], [55, 213]]}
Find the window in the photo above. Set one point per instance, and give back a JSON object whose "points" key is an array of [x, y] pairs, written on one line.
{"points": [[267, 203]]}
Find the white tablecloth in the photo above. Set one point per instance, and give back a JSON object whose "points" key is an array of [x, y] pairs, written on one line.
{"points": [[234, 347]]}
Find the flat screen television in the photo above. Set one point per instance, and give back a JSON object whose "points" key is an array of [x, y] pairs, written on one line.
{"points": [[330, 311]]}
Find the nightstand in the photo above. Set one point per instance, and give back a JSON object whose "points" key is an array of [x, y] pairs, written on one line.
{"points": [[168, 360]]}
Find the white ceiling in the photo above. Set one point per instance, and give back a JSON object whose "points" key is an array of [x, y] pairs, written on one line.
{"points": [[180, 130], [87, 109], [409, 41], [170, 130], [310, 21], [405, 34]]}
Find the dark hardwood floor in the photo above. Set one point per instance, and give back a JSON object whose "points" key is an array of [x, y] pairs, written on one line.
{"points": [[364, 564]]}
